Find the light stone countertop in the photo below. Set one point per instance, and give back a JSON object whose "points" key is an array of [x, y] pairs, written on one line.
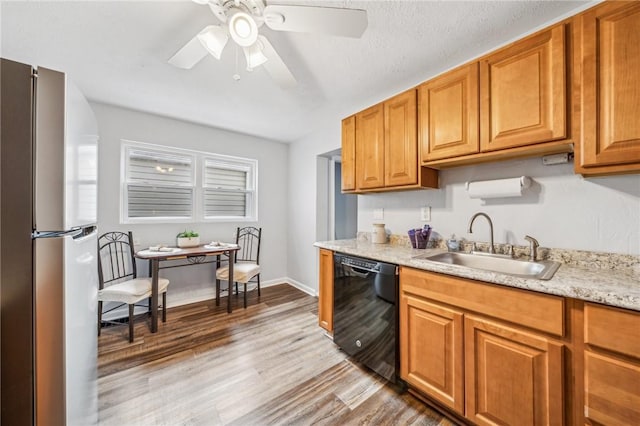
{"points": [[619, 288]]}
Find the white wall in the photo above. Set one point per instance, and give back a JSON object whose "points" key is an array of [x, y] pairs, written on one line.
{"points": [[304, 224], [195, 282], [560, 209], [346, 208]]}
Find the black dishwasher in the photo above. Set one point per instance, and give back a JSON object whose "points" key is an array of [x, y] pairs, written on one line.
{"points": [[365, 312]]}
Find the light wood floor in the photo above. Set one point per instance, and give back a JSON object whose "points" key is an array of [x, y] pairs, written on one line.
{"points": [[267, 365]]}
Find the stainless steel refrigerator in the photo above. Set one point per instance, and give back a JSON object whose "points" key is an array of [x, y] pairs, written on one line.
{"points": [[48, 249]]}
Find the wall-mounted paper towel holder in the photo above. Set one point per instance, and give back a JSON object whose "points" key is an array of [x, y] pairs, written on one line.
{"points": [[498, 188]]}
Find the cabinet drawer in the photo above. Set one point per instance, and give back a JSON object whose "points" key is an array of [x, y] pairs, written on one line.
{"points": [[612, 390], [613, 329], [537, 311]]}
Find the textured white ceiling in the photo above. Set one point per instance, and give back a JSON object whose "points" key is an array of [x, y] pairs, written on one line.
{"points": [[117, 53]]}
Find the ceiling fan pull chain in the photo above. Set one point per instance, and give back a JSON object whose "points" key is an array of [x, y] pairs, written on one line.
{"points": [[236, 76]]}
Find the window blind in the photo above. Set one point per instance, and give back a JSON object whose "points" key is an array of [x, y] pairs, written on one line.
{"points": [[159, 185], [156, 201], [177, 185], [225, 191], [160, 168]]}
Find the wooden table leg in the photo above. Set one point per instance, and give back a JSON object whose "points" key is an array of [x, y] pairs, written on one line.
{"points": [[232, 260], [217, 281], [155, 263]]}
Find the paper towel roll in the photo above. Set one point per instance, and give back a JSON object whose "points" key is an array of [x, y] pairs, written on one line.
{"points": [[498, 188]]}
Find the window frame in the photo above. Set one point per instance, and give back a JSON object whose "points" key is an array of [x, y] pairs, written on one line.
{"points": [[199, 163], [251, 192]]}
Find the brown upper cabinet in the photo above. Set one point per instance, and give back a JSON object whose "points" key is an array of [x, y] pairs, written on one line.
{"points": [[370, 148], [383, 140], [523, 92], [525, 99], [401, 140], [349, 154], [510, 103], [607, 63], [448, 114]]}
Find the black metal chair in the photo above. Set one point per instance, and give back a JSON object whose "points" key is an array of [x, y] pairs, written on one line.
{"points": [[247, 266], [118, 278]]}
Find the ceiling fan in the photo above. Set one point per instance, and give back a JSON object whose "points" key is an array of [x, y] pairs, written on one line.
{"points": [[241, 20]]}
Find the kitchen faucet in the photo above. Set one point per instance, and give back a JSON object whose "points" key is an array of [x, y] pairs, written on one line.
{"points": [[491, 249], [533, 247]]}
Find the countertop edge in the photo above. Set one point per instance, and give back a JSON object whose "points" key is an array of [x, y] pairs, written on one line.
{"points": [[612, 288]]}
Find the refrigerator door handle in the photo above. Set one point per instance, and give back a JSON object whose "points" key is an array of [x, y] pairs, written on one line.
{"points": [[73, 232]]}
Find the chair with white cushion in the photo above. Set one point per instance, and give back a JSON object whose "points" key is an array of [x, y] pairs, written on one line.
{"points": [[118, 278], [247, 266]]}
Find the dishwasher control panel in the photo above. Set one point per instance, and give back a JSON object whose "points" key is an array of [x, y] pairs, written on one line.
{"points": [[369, 265]]}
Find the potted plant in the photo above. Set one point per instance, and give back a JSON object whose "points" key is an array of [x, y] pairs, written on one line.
{"points": [[188, 239]]}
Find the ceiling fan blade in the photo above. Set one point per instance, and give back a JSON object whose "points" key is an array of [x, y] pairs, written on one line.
{"points": [[313, 19], [189, 55], [275, 66]]}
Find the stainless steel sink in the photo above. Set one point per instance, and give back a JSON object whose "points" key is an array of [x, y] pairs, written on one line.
{"points": [[541, 270]]}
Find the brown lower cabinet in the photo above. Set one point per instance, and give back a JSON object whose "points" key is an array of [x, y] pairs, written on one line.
{"points": [[325, 290], [513, 377], [611, 366], [463, 345], [499, 355], [431, 354]]}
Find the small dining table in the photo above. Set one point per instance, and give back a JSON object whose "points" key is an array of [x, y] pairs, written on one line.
{"points": [[195, 255]]}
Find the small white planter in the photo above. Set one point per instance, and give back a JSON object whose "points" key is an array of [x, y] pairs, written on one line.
{"points": [[184, 242]]}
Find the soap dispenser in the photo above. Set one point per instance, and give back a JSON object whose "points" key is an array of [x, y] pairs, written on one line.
{"points": [[453, 244]]}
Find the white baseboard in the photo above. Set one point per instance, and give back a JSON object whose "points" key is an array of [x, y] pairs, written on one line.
{"points": [[206, 293], [209, 293], [297, 284]]}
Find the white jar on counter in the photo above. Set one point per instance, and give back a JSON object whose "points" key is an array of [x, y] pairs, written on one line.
{"points": [[378, 234]]}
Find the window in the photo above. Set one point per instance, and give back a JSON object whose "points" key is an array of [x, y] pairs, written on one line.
{"points": [[228, 189], [162, 184]]}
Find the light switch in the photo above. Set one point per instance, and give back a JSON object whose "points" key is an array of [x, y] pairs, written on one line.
{"points": [[378, 214], [425, 214]]}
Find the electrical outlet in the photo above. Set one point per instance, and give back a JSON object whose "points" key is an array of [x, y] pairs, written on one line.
{"points": [[378, 214], [425, 214]]}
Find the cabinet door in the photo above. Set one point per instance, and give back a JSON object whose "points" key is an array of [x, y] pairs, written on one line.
{"points": [[349, 154], [512, 377], [612, 365], [370, 148], [401, 140], [610, 84], [448, 114], [325, 290], [523, 92], [431, 352]]}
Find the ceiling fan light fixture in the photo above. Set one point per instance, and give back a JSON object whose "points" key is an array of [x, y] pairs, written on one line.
{"points": [[243, 29], [214, 38], [254, 56]]}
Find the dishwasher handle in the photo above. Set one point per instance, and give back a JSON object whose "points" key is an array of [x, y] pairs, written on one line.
{"points": [[359, 272]]}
